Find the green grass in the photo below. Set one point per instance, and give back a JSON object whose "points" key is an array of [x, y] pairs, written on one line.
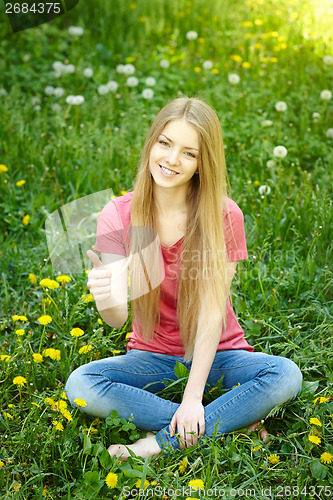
{"points": [[282, 294]]}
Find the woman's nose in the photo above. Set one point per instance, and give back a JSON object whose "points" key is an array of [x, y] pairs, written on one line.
{"points": [[173, 157]]}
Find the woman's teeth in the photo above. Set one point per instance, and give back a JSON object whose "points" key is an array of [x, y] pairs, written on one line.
{"points": [[167, 171]]}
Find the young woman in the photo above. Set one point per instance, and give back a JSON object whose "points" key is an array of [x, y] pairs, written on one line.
{"points": [[180, 288]]}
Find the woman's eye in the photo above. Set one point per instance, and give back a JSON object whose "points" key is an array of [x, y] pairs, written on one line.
{"points": [[192, 155], [163, 142]]}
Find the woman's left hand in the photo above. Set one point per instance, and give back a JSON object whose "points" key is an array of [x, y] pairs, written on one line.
{"points": [[189, 416]]}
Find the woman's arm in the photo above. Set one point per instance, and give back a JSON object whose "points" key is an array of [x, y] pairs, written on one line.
{"points": [[190, 414]]}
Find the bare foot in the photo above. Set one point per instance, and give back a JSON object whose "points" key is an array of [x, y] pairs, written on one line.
{"points": [[264, 436], [141, 448]]}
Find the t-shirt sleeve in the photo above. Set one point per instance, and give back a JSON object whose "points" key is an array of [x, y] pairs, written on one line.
{"points": [[234, 232], [111, 234]]}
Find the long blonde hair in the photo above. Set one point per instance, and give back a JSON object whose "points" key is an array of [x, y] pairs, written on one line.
{"points": [[200, 301]]}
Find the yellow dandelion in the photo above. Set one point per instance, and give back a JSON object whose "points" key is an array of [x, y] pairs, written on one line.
{"points": [[100, 321], [247, 24], [123, 192], [2, 464], [256, 183], [9, 416], [5, 357], [128, 334], [20, 183], [320, 399], [115, 351], [80, 402], [111, 480], [183, 465], [246, 65], [326, 458], [196, 484], [274, 59], [63, 395], [26, 219], [315, 421], [45, 319], [258, 22], [52, 353], [87, 298], [46, 300], [314, 439], [63, 278], [76, 332], [20, 332], [17, 486], [256, 448], [50, 402], [236, 58], [130, 59], [19, 318], [145, 486], [10, 406], [66, 414], [48, 283], [60, 405], [33, 278], [197, 69], [85, 348], [58, 425], [273, 459], [38, 358], [91, 430], [215, 71], [19, 381], [3, 168]]}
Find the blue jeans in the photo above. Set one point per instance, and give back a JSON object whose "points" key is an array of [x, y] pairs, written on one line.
{"points": [[117, 384]]}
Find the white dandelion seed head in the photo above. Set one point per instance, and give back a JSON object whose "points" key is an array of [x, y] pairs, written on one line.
{"points": [[264, 189], [68, 68], [78, 99], [75, 30], [3, 92], [329, 133], [326, 95], [164, 63], [132, 81], [129, 69], [150, 81], [57, 66], [56, 107], [49, 90], [69, 99], [233, 78], [270, 163], [207, 65], [37, 107], [26, 57], [147, 93], [88, 72], [103, 89], [316, 115], [58, 92], [35, 100], [120, 68], [280, 151], [328, 60], [191, 35], [281, 106], [112, 85], [267, 123]]}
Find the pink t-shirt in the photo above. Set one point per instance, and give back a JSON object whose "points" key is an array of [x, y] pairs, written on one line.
{"points": [[112, 224]]}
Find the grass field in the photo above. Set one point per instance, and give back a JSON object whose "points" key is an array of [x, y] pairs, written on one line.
{"points": [[267, 69]]}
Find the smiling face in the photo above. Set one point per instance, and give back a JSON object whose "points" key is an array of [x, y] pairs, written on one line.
{"points": [[174, 156]]}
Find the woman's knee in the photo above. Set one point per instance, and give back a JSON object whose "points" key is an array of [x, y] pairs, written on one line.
{"points": [[76, 385], [289, 378]]}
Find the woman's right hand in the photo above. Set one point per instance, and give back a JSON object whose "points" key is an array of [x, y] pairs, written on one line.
{"points": [[99, 279]]}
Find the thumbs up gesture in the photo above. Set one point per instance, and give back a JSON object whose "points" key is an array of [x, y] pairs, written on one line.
{"points": [[99, 278]]}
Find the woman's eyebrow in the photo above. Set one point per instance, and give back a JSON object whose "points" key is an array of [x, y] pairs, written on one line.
{"points": [[186, 147]]}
